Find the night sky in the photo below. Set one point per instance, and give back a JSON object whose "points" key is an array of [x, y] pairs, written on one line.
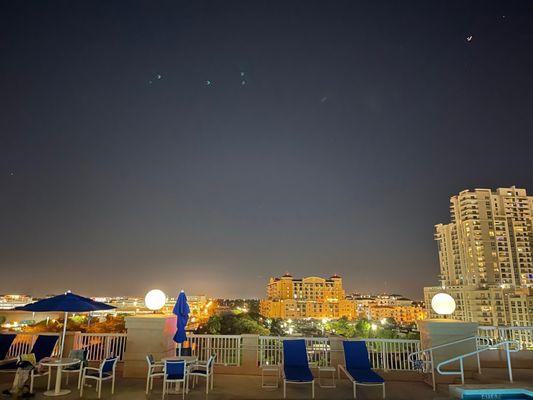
{"points": [[210, 145]]}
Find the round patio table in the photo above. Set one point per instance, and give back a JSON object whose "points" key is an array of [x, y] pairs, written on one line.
{"points": [[58, 363], [187, 359]]}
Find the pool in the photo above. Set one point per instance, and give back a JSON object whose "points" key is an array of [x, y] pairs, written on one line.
{"points": [[497, 394]]}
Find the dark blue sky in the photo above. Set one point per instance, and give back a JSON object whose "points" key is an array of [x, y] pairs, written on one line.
{"points": [[356, 122]]}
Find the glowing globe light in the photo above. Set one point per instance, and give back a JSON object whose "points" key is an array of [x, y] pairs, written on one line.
{"points": [[155, 299], [443, 304]]}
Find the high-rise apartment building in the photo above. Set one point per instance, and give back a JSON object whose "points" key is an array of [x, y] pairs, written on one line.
{"points": [[486, 253]]}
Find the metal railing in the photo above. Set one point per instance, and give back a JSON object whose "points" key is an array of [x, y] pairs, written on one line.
{"points": [[522, 334], [476, 353], [100, 346], [386, 354], [392, 354], [227, 348], [23, 344], [424, 360]]}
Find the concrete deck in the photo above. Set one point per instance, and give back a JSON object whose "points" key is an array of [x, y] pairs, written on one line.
{"points": [[249, 387], [244, 387]]}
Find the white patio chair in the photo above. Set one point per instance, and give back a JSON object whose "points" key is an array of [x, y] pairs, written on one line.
{"points": [[77, 368], [105, 372], [155, 370], [205, 370]]}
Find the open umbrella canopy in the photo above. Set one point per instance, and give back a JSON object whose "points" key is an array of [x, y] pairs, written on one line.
{"points": [[68, 302], [181, 309]]}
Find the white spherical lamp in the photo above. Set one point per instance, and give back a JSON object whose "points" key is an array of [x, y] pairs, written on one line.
{"points": [[155, 299], [443, 304]]}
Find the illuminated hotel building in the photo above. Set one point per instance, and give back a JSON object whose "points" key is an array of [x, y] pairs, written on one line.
{"points": [[486, 254], [310, 297], [318, 298]]}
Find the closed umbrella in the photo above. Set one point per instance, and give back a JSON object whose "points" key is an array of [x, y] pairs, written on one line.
{"points": [[181, 310], [68, 302]]}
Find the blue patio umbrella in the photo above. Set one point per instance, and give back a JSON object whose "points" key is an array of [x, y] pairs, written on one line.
{"points": [[181, 310], [68, 302]]}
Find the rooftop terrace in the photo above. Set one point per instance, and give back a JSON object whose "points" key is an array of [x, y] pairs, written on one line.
{"points": [[240, 359]]}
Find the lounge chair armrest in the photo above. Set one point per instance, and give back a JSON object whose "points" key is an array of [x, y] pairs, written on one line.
{"points": [[8, 360], [342, 368], [197, 366]]}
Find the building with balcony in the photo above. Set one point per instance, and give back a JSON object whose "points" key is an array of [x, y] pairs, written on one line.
{"points": [[311, 297], [318, 298], [486, 254], [402, 314]]}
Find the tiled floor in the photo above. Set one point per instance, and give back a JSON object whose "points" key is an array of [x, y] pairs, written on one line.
{"points": [[249, 387]]}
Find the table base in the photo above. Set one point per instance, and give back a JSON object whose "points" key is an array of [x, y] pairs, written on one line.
{"points": [[52, 393]]}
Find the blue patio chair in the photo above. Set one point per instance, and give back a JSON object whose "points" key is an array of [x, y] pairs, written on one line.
{"points": [[175, 372], [296, 366], [105, 372], [357, 366], [5, 344]]}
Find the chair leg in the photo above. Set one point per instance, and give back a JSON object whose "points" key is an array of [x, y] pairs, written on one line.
{"points": [[82, 384], [99, 389], [313, 389], [207, 384], [284, 389], [184, 389], [66, 383], [212, 381], [113, 385], [32, 377], [148, 383], [164, 387], [354, 390], [49, 378], [383, 389], [79, 378]]}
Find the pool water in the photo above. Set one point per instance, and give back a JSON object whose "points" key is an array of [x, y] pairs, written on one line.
{"points": [[497, 394]]}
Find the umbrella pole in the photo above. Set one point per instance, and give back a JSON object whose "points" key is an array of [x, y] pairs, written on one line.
{"points": [[64, 335]]}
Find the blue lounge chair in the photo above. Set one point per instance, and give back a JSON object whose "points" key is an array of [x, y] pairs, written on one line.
{"points": [[43, 347], [296, 366], [5, 344], [358, 368]]}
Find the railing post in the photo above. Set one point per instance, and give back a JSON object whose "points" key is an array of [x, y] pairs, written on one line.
{"points": [[384, 357], [249, 353], [432, 370], [462, 371], [509, 362]]}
